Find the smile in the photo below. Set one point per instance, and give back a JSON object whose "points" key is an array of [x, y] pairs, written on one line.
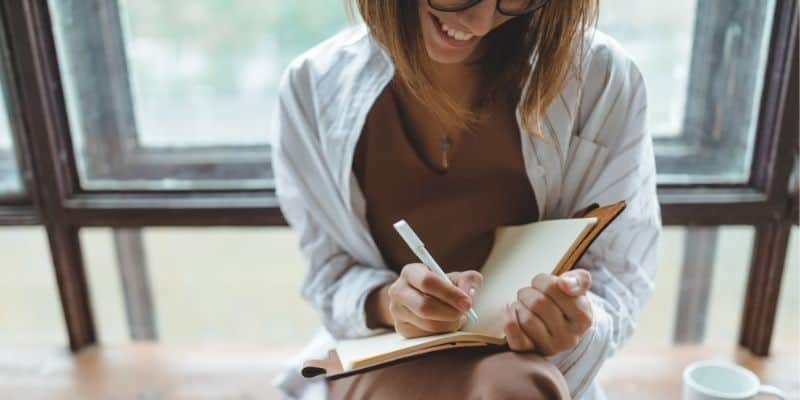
{"points": [[453, 35]]}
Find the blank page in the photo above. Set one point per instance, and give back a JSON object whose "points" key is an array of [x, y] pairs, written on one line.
{"points": [[519, 254]]}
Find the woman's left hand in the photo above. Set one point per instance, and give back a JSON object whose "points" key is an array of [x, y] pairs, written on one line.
{"points": [[551, 315]]}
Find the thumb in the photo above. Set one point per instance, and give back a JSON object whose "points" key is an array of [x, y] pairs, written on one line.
{"points": [[575, 283], [468, 281]]}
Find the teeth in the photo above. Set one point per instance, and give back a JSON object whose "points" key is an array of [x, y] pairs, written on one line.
{"points": [[456, 34]]}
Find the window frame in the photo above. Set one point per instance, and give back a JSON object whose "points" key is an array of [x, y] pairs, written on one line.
{"points": [[699, 136], [63, 207], [119, 154]]}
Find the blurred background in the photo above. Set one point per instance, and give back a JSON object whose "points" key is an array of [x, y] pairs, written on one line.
{"points": [[161, 110]]}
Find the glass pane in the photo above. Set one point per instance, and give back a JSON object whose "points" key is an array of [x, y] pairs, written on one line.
{"points": [[205, 72], [30, 313], [703, 61], [225, 285], [108, 304], [726, 294], [653, 329], [234, 284], [10, 183], [729, 284], [178, 94], [638, 26], [787, 327]]}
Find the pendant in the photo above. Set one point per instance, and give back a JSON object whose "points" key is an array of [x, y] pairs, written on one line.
{"points": [[446, 144]]}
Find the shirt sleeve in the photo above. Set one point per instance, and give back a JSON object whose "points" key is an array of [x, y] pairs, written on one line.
{"points": [[335, 284], [622, 261]]}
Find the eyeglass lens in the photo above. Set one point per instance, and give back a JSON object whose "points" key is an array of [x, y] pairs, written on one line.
{"points": [[514, 7]]}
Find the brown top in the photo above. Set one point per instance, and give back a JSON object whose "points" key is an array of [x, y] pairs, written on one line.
{"points": [[454, 212]]}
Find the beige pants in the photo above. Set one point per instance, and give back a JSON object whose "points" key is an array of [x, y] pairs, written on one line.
{"points": [[458, 374]]}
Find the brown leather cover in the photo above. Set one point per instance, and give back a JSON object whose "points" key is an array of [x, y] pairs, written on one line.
{"points": [[605, 215], [332, 367]]}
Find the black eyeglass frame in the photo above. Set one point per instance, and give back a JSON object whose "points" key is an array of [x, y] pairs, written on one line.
{"points": [[532, 7]]}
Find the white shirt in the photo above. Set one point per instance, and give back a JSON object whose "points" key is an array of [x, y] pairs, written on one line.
{"points": [[595, 150]]}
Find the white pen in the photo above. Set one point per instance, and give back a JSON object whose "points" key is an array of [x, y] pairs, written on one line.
{"points": [[416, 245]]}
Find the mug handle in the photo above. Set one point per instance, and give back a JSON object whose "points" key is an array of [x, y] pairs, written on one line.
{"points": [[772, 390]]}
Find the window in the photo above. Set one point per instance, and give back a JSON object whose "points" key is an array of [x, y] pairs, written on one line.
{"points": [[704, 78], [145, 124], [178, 94], [183, 89]]}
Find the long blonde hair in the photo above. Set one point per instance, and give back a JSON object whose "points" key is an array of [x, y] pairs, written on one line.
{"points": [[548, 41]]}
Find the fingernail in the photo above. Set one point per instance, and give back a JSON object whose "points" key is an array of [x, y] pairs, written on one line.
{"points": [[572, 283], [472, 291], [464, 304]]}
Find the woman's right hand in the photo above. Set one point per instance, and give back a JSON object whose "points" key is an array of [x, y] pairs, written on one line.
{"points": [[421, 303]]}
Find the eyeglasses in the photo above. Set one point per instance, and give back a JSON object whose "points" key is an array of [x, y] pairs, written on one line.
{"points": [[511, 8]]}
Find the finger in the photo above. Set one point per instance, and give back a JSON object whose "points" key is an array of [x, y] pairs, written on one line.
{"points": [[409, 324], [547, 311], [535, 329], [469, 282], [424, 280], [575, 309], [517, 341], [408, 330], [424, 306], [433, 326], [576, 282]]}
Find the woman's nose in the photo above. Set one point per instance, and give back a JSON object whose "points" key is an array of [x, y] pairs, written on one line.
{"points": [[480, 17]]}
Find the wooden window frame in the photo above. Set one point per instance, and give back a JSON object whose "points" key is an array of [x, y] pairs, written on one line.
{"points": [[55, 199]]}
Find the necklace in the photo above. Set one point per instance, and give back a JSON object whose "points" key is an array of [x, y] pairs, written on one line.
{"points": [[446, 145]]}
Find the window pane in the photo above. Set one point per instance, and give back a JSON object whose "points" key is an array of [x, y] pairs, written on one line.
{"points": [[787, 327], [726, 292], [108, 304], [225, 285], [653, 329], [233, 284], [178, 94], [703, 61], [10, 183], [729, 284], [660, 40], [205, 72], [30, 311]]}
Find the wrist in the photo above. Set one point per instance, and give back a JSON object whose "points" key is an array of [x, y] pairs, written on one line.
{"points": [[377, 308]]}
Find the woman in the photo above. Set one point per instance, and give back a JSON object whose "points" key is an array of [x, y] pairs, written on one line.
{"points": [[461, 116]]}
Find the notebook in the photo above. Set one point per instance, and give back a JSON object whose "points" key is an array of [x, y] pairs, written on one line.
{"points": [[519, 253]]}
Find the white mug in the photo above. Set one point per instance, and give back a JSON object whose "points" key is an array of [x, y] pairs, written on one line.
{"points": [[716, 380]]}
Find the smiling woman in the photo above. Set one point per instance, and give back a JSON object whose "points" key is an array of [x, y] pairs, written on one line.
{"points": [[436, 120]]}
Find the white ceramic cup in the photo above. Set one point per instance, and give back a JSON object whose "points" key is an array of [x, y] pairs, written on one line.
{"points": [[717, 380]]}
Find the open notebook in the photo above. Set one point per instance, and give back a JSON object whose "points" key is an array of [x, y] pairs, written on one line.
{"points": [[519, 253]]}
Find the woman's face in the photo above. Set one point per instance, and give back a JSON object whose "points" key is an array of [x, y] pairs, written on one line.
{"points": [[451, 37]]}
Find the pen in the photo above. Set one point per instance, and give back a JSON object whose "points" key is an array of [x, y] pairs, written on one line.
{"points": [[416, 245]]}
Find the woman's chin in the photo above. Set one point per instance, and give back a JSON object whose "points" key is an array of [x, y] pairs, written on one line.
{"points": [[447, 57]]}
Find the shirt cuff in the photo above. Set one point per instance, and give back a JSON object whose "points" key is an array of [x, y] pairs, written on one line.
{"points": [[581, 364]]}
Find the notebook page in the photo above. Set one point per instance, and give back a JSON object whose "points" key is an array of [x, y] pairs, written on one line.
{"points": [[520, 253], [356, 349]]}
